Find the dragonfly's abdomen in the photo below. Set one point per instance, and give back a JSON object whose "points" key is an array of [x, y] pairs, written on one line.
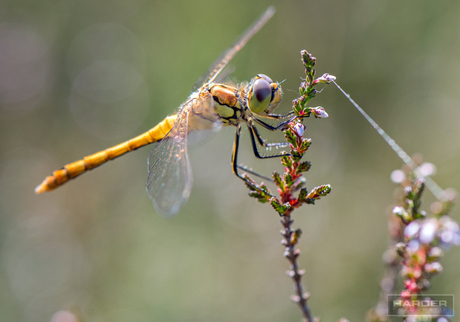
{"points": [[226, 103], [74, 169]]}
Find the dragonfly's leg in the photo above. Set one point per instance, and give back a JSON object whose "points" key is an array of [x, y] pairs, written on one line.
{"points": [[235, 165], [255, 134], [246, 169], [274, 128], [236, 145], [279, 116], [253, 129]]}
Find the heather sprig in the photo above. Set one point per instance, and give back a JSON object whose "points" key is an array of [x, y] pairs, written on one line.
{"points": [[418, 242], [425, 236], [291, 184]]}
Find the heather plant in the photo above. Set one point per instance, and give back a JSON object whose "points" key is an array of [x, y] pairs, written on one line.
{"points": [[418, 240], [291, 184]]}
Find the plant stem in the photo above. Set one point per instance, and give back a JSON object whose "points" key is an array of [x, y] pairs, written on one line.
{"points": [[291, 254]]}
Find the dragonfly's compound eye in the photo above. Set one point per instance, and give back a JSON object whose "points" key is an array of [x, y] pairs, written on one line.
{"points": [[260, 95], [268, 79], [261, 90]]}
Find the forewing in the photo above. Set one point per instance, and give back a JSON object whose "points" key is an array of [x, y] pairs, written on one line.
{"points": [[224, 59], [170, 177]]}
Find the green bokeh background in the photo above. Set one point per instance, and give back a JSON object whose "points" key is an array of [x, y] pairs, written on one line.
{"points": [[80, 76]]}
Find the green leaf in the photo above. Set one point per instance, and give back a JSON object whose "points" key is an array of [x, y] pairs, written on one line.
{"points": [[305, 144], [264, 187], [255, 194], [248, 179], [323, 189], [278, 181], [305, 110], [296, 156], [288, 179], [290, 137], [302, 194], [303, 167], [260, 196], [317, 193], [279, 207], [263, 200], [296, 106], [260, 192], [286, 160]]}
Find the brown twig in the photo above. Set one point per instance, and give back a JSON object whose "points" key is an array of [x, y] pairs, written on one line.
{"points": [[290, 240]]}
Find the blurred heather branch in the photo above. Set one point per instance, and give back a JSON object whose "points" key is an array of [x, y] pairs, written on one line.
{"points": [[417, 243], [292, 193]]}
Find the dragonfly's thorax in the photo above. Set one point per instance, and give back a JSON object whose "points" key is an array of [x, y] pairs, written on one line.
{"points": [[229, 103]]}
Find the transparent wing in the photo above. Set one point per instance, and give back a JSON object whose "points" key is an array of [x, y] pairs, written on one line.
{"points": [[170, 177], [223, 60], [198, 138]]}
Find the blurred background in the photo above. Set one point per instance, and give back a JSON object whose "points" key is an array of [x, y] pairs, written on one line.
{"points": [[80, 76]]}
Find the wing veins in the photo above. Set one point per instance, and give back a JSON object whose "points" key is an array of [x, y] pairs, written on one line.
{"points": [[220, 63]]}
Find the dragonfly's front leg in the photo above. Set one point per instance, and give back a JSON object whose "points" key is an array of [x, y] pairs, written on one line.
{"points": [[280, 125], [279, 116]]}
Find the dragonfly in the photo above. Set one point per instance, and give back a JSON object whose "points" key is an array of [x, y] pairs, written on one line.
{"points": [[207, 109]]}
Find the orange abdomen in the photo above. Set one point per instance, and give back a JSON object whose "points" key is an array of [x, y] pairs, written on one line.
{"points": [[74, 169]]}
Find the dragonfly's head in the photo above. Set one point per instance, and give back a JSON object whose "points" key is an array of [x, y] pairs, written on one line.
{"points": [[263, 95]]}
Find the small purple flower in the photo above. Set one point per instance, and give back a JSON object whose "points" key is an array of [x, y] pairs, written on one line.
{"points": [[413, 246], [428, 231], [411, 230], [449, 232]]}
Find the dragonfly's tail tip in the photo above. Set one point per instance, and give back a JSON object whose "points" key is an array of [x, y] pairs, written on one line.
{"points": [[39, 189], [42, 187]]}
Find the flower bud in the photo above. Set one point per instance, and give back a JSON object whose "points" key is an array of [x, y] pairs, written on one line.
{"points": [[326, 78], [402, 213], [433, 268], [400, 249], [299, 129], [434, 253], [428, 231], [411, 230], [320, 113]]}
